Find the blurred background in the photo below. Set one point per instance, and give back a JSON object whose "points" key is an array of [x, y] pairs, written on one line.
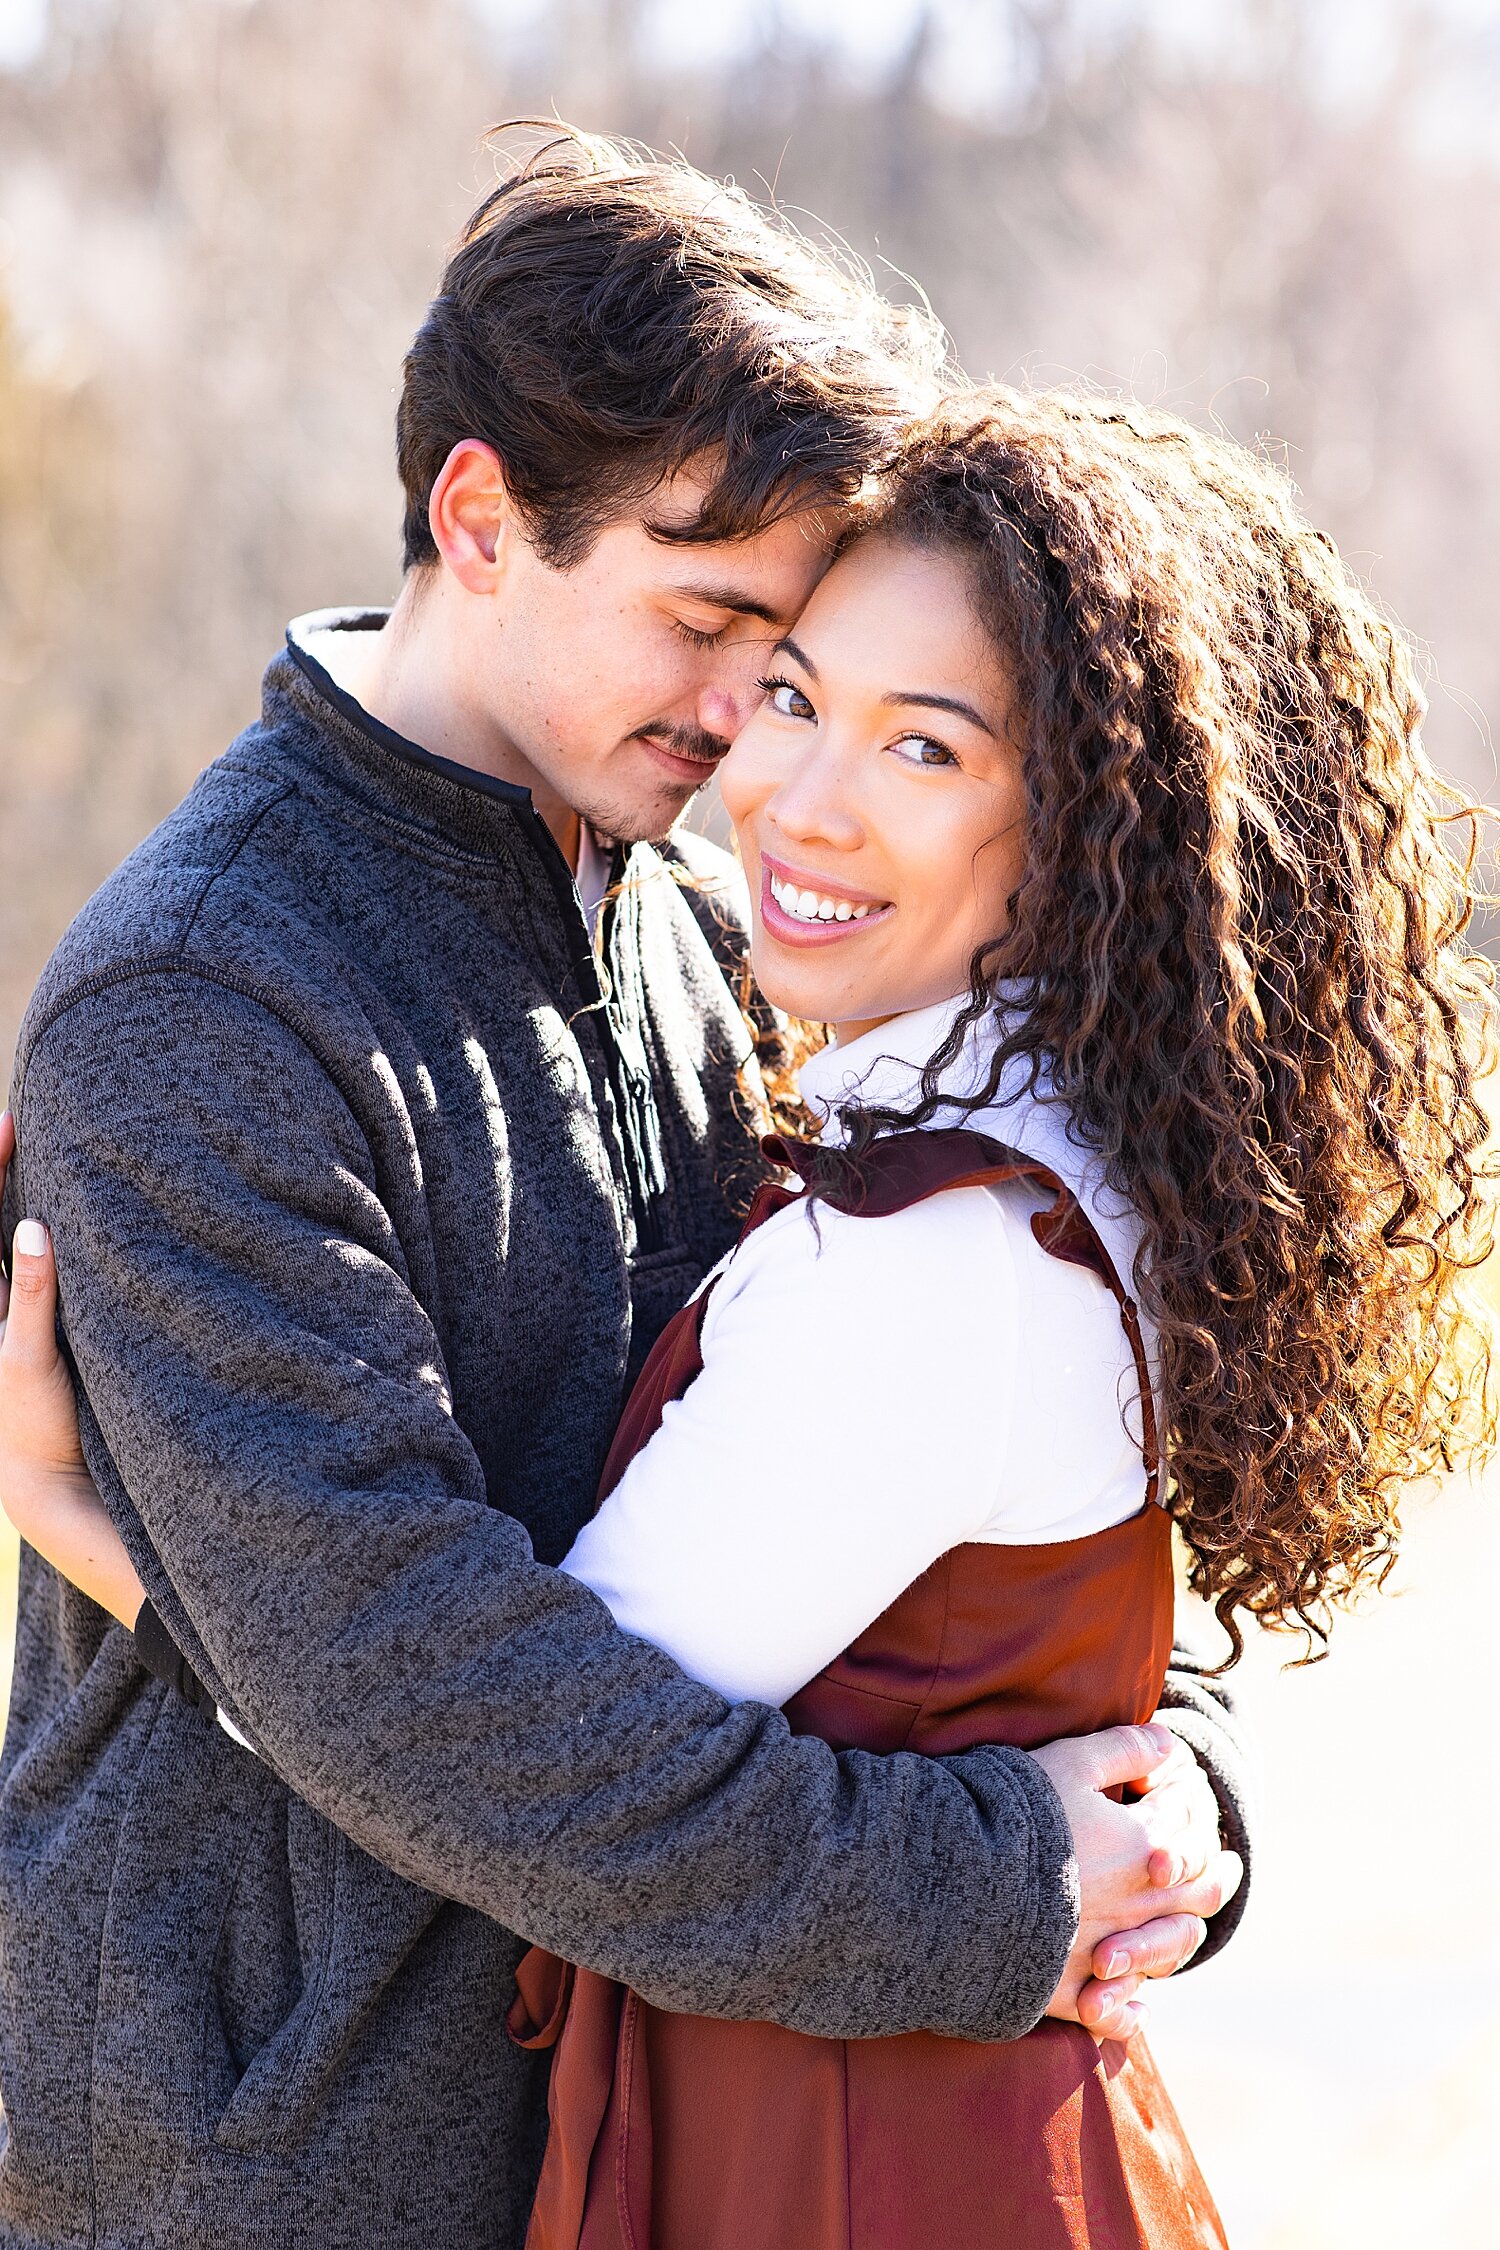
{"points": [[219, 222]]}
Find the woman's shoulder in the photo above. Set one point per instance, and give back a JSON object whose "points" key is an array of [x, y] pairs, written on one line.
{"points": [[1017, 1359], [951, 1259]]}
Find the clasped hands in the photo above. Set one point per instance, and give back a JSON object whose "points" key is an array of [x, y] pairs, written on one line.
{"points": [[1150, 1871]]}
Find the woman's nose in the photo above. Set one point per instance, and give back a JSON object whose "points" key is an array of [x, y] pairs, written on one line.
{"points": [[814, 806]]}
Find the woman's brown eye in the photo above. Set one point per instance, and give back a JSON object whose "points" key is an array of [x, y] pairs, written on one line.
{"points": [[921, 750], [788, 699]]}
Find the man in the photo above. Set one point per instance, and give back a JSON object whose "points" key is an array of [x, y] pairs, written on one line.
{"points": [[369, 1182]]}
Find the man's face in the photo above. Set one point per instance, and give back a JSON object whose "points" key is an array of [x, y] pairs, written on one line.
{"points": [[620, 681]]}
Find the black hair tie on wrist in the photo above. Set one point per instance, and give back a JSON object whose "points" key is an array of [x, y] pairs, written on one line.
{"points": [[160, 1654]]}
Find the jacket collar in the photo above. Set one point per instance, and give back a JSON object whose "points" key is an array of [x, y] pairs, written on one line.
{"points": [[473, 810]]}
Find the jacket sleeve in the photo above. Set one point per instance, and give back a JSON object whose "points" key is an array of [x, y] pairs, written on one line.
{"points": [[265, 1409], [1199, 1707]]}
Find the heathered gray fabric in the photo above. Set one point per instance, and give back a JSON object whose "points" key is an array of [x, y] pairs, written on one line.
{"points": [[362, 1201]]}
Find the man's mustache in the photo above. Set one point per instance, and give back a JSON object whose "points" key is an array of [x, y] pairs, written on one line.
{"points": [[686, 742]]}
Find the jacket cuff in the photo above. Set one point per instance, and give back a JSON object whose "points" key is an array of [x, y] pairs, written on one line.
{"points": [[1197, 1718], [1037, 1955]]}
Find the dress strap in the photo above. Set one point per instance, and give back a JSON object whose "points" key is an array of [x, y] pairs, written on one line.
{"points": [[902, 1169]]}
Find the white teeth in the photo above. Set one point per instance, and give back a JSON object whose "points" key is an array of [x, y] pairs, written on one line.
{"points": [[811, 906]]}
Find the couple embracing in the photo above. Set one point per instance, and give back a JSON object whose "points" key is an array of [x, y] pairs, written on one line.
{"points": [[603, 1675]]}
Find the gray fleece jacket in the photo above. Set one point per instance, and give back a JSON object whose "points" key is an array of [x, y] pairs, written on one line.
{"points": [[366, 1199]]}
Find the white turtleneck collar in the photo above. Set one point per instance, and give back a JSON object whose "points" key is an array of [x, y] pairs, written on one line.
{"points": [[883, 1067]]}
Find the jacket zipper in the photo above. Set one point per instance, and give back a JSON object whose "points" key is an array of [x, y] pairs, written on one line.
{"points": [[639, 1166]]}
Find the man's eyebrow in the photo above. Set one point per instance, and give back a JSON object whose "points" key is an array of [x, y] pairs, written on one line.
{"points": [[941, 703], [732, 598], [786, 646]]}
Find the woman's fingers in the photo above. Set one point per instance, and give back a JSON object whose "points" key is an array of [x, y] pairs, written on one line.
{"points": [[7, 1151], [38, 1412], [28, 1345], [28, 1300]]}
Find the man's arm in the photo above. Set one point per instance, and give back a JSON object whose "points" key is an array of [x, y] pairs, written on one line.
{"points": [[266, 1415]]}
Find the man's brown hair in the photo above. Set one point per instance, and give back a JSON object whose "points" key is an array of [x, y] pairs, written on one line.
{"points": [[610, 316]]}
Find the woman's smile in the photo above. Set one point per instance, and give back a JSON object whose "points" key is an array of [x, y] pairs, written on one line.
{"points": [[800, 908]]}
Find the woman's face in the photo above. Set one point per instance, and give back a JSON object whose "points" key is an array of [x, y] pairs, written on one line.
{"points": [[877, 793]]}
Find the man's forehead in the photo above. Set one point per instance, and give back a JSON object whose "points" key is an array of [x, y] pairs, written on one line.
{"points": [[795, 536], [768, 574], [676, 502], [773, 596]]}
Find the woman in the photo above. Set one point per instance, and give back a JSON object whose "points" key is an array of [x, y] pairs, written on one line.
{"points": [[1087, 803]]}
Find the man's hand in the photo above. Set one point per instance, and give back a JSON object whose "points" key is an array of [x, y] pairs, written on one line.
{"points": [[45, 1486], [1150, 1872]]}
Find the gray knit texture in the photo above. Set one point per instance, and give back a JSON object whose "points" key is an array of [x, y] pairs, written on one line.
{"points": [[366, 1200]]}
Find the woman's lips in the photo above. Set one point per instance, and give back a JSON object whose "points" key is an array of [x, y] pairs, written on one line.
{"points": [[797, 921]]}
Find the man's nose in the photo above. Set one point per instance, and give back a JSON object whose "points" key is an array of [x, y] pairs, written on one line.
{"points": [[724, 705]]}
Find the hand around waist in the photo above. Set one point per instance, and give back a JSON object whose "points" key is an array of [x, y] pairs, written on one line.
{"points": [[1150, 1871]]}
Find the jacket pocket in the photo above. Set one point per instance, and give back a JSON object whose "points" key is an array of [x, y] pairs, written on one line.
{"points": [[268, 1992]]}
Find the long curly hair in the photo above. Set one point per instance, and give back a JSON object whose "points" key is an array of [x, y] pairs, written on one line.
{"points": [[1238, 952]]}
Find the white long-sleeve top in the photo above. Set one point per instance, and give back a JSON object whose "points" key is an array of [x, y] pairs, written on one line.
{"points": [[875, 1391]]}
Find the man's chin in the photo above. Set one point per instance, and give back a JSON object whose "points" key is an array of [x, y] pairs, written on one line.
{"points": [[645, 819]]}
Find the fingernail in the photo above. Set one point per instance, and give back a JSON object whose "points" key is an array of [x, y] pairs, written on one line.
{"points": [[30, 1239], [1117, 1964]]}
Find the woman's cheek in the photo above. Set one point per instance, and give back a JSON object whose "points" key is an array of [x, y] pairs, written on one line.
{"points": [[740, 782]]}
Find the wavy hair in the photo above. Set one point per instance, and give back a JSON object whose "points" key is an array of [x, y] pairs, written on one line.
{"points": [[1238, 952], [610, 316]]}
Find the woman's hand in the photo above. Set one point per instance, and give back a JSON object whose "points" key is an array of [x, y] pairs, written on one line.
{"points": [[45, 1486]]}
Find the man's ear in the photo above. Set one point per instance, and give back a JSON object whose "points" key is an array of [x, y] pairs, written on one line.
{"points": [[472, 516]]}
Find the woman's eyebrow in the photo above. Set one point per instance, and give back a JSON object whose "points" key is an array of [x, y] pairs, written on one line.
{"points": [[786, 646], [942, 703]]}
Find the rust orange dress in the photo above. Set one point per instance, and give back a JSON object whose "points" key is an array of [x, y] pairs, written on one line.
{"points": [[674, 2132]]}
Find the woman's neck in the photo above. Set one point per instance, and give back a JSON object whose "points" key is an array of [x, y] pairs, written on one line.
{"points": [[845, 1034]]}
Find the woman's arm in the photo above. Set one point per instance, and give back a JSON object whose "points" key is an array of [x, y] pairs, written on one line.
{"points": [[68, 1524], [45, 1487]]}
